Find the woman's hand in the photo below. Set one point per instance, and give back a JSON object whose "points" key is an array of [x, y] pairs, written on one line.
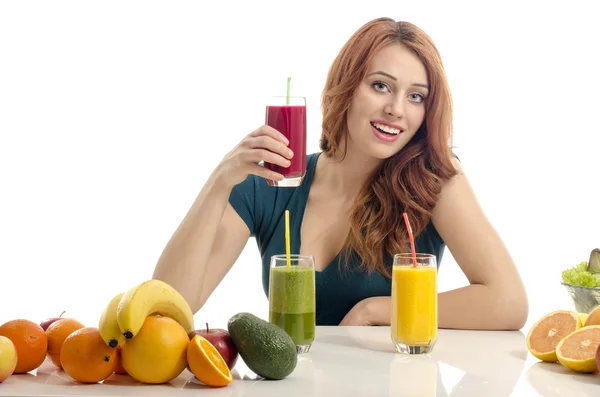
{"points": [[264, 144]]}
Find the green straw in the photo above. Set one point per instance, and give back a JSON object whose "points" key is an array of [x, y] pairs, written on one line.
{"points": [[287, 98]]}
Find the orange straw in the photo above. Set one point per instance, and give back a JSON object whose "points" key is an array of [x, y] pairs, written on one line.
{"points": [[412, 240]]}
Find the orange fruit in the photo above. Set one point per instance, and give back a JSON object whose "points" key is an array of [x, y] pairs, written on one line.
{"points": [[207, 364], [548, 331], [85, 356], [119, 364], [57, 332], [583, 318], [30, 341], [577, 351], [157, 353], [593, 317]]}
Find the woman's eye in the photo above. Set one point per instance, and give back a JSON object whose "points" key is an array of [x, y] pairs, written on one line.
{"points": [[417, 97], [379, 86]]}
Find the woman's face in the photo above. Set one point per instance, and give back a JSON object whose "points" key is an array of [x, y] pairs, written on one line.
{"points": [[388, 106]]}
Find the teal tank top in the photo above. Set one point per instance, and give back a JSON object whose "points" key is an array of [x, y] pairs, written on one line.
{"points": [[338, 289]]}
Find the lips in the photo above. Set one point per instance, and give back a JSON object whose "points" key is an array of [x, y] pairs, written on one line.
{"points": [[387, 128], [385, 137], [386, 132]]}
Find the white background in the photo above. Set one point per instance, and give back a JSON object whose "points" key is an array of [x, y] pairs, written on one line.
{"points": [[113, 114]]}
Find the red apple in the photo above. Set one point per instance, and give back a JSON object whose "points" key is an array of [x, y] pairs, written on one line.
{"points": [[598, 358], [46, 323], [222, 341]]}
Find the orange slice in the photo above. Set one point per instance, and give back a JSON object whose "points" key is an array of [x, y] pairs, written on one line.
{"points": [[577, 351], [207, 364], [548, 331]]}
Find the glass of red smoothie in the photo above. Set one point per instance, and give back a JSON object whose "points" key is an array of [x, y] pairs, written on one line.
{"points": [[288, 116]]}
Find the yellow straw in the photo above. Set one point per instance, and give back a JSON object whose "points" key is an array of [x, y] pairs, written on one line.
{"points": [[287, 237]]}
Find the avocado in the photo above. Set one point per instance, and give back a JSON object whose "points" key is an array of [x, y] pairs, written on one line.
{"points": [[265, 348]]}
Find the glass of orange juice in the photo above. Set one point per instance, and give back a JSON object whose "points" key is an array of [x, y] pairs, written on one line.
{"points": [[414, 322]]}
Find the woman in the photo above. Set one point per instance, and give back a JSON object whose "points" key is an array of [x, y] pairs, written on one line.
{"points": [[387, 121]]}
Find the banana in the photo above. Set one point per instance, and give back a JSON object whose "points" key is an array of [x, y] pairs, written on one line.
{"points": [[152, 297], [109, 326]]}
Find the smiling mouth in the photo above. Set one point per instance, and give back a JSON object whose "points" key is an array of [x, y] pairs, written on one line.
{"points": [[384, 129]]}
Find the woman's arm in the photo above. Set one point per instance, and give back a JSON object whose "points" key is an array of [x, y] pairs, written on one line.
{"points": [[496, 297], [212, 235], [204, 246]]}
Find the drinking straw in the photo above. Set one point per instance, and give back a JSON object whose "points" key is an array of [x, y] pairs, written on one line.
{"points": [[287, 97], [412, 240], [287, 237]]}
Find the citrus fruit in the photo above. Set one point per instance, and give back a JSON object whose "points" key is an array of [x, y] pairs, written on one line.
{"points": [[207, 364], [57, 332], [547, 332], [577, 351], [593, 318], [119, 365], [30, 341], [157, 353], [85, 357], [583, 318]]}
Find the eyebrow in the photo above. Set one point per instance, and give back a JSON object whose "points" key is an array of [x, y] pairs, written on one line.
{"points": [[395, 79]]}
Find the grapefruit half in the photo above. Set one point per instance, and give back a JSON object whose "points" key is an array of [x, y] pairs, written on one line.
{"points": [[577, 351], [548, 331]]}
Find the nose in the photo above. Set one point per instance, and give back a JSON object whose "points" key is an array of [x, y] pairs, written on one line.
{"points": [[395, 107]]}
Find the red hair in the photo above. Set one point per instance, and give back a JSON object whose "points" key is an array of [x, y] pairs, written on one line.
{"points": [[409, 181]]}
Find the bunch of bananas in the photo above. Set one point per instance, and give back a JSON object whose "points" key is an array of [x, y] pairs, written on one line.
{"points": [[126, 312]]}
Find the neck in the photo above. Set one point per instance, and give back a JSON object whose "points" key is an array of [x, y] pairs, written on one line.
{"points": [[345, 177]]}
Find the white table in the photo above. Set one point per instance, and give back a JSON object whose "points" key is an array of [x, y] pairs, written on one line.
{"points": [[359, 361]]}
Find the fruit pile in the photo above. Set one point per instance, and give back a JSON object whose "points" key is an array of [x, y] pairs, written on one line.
{"points": [[567, 337], [147, 333]]}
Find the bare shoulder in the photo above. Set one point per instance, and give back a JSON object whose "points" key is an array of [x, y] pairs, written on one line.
{"points": [[457, 199]]}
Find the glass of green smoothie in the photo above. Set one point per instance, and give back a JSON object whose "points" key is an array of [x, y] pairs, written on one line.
{"points": [[292, 298]]}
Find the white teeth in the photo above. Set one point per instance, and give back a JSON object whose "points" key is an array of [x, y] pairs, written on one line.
{"points": [[386, 128]]}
